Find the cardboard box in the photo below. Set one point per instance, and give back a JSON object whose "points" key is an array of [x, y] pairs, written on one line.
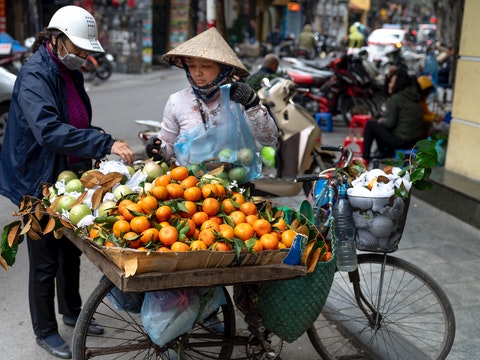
{"points": [[133, 262]]}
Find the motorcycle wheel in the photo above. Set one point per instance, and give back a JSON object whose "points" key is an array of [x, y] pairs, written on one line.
{"points": [[104, 71], [322, 161], [351, 105], [3, 121]]}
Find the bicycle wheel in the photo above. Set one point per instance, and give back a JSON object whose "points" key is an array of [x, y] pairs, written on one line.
{"points": [[415, 318], [124, 336]]}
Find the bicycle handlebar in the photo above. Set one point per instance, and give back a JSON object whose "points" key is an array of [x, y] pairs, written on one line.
{"points": [[345, 159]]}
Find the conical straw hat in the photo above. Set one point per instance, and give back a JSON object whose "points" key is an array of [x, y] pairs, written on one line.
{"points": [[209, 45]]}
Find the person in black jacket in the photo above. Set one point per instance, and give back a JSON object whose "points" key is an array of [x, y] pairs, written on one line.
{"points": [[267, 70], [48, 131]]}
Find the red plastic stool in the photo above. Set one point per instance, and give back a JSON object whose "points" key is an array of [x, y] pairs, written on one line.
{"points": [[359, 121], [355, 143]]}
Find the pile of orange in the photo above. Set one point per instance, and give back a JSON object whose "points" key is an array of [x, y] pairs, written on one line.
{"points": [[181, 212]]}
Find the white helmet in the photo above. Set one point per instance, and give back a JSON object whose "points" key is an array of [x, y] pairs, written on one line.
{"points": [[78, 25]]}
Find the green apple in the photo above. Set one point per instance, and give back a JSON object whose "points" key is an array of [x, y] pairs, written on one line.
{"points": [[65, 203], [245, 156], [268, 156], [105, 208], [238, 174], [74, 185], [153, 170], [225, 155], [78, 212], [66, 176], [122, 190]]}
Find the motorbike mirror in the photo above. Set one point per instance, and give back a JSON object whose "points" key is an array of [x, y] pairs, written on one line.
{"points": [[265, 82]]}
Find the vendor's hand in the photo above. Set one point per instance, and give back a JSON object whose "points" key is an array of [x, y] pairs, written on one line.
{"points": [[153, 148], [243, 94], [122, 149]]}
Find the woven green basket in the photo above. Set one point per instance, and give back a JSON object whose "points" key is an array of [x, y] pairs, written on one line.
{"points": [[289, 307]]}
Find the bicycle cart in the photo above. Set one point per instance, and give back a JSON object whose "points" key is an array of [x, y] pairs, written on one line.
{"points": [[116, 304]]}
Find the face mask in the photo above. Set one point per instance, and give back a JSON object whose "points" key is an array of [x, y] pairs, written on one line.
{"points": [[71, 61]]}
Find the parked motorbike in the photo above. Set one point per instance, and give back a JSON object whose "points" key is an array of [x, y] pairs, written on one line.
{"points": [[98, 65], [298, 151], [344, 92]]}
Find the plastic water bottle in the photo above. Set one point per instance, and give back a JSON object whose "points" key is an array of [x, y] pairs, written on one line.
{"points": [[344, 230]]}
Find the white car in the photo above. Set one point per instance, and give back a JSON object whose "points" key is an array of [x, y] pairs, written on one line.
{"points": [[7, 79], [382, 41]]}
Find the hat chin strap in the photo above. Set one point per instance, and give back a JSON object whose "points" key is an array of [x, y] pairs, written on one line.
{"points": [[206, 92]]}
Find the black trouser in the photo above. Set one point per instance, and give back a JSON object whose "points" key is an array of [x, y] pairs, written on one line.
{"points": [[386, 141], [52, 259]]}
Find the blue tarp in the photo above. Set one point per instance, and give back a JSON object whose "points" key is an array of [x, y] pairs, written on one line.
{"points": [[16, 46]]}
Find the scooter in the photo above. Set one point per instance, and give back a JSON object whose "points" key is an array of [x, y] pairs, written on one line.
{"points": [[99, 65], [298, 151]]}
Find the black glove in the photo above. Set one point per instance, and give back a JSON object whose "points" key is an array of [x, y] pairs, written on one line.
{"points": [[242, 93], [154, 143]]}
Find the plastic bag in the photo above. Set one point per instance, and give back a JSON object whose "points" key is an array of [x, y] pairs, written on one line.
{"points": [[225, 139], [168, 314]]}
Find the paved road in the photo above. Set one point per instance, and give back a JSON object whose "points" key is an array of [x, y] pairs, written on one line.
{"points": [[445, 247]]}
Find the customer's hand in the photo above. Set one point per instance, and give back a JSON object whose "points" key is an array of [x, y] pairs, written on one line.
{"points": [[243, 94], [122, 149]]}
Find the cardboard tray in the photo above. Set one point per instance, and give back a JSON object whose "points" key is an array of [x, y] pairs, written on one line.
{"points": [[145, 272]]}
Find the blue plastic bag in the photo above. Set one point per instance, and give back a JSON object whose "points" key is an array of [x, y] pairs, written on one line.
{"points": [[226, 138]]}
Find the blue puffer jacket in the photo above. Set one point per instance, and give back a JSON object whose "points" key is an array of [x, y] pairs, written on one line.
{"points": [[38, 137]]}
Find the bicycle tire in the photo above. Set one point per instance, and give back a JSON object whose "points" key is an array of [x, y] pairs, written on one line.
{"points": [[417, 319], [124, 336]]}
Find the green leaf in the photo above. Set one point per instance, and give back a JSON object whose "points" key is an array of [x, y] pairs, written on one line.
{"points": [[6, 252], [423, 185]]}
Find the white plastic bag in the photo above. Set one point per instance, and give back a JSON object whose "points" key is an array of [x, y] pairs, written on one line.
{"points": [[168, 314]]}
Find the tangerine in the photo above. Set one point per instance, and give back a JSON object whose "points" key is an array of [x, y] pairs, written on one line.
{"points": [[150, 234], [207, 236], [257, 247], [211, 206], [132, 210], [238, 217], [162, 180], [261, 227], [163, 249], [226, 231], [179, 246], [132, 239], [120, 227], [251, 219], [210, 224], [139, 224], [199, 218], [280, 224], [228, 206], [160, 192], [209, 190], [163, 213], [189, 182], [179, 173], [238, 198], [198, 245], [192, 193], [122, 204], [243, 231], [149, 203], [220, 246], [190, 207], [221, 191], [288, 236], [168, 235], [269, 241], [248, 208], [175, 191], [94, 232]]}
